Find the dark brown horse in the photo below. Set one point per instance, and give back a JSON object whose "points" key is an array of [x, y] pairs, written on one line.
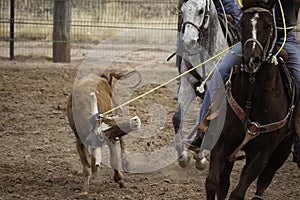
{"points": [[259, 109]]}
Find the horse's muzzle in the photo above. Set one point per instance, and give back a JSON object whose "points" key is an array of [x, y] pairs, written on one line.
{"points": [[189, 43], [252, 64]]}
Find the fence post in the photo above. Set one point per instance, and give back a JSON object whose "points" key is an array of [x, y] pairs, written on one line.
{"points": [[61, 31], [12, 30]]}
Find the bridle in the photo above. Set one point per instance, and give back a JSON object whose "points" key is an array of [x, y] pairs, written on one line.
{"points": [[268, 48], [201, 27]]}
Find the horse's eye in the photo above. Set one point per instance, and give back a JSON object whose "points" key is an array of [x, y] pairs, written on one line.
{"points": [[201, 12]]}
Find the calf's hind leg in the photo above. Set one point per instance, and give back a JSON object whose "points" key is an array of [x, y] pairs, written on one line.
{"points": [[83, 154], [118, 176]]}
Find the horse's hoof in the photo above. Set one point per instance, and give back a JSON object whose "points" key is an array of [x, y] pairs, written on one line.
{"points": [[200, 163], [184, 159]]}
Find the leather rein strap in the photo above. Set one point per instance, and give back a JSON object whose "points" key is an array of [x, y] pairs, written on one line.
{"points": [[253, 129], [193, 72]]}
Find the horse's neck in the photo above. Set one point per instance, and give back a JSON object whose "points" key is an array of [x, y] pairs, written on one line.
{"points": [[215, 37], [267, 82]]}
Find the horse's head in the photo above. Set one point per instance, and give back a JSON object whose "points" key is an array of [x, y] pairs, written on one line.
{"points": [[258, 33], [195, 15]]}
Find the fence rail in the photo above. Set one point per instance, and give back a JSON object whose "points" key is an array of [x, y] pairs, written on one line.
{"points": [[92, 21]]}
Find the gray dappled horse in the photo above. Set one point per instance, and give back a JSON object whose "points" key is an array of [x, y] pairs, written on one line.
{"points": [[201, 37], [259, 109]]}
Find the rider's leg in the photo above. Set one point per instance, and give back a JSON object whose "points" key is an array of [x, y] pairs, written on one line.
{"points": [[293, 64], [230, 59]]}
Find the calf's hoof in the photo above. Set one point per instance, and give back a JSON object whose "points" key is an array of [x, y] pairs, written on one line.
{"points": [[84, 193], [122, 184]]}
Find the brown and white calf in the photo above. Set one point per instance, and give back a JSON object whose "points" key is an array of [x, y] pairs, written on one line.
{"points": [[84, 117]]}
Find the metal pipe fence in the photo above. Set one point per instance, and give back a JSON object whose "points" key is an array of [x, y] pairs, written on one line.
{"points": [[92, 21]]}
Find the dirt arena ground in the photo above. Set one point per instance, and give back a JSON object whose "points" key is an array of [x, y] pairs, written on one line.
{"points": [[37, 147]]}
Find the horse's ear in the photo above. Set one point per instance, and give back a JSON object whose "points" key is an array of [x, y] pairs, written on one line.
{"points": [[267, 4]]}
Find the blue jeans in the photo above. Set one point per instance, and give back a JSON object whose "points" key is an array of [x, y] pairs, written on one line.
{"points": [[229, 60], [220, 73]]}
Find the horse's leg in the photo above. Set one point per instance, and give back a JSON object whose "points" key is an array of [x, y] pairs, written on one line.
{"points": [[176, 119], [125, 163], [118, 176], [83, 154], [183, 158], [255, 163], [225, 180], [186, 95], [217, 170], [275, 162]]}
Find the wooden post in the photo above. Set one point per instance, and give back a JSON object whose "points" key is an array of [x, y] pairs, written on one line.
{"points": [[61, 31]]}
